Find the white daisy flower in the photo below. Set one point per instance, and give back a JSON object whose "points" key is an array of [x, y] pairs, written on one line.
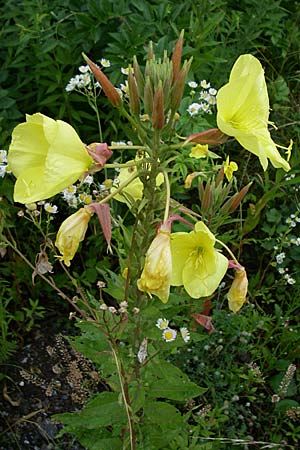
{"points": [[169, 335], [204, 84], [52, 209], [162, 324], [185, 334], [105, 62], [192, 84]]}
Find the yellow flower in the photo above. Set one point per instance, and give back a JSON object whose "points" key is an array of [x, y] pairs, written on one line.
{"points": [[71, 233], [229, 168], [243, 111], [197, 265], [238, 290], [199, 151], [46, 156], [134, 190], [156, 276]]}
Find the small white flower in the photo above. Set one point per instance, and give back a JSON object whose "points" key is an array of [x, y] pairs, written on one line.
{"points": [[105, 62], [72, 201], [68, 192], [124, 70], [193, 109], [205, 107], [192, 84], [185, 334], [124, 87], [103, 307], [169, 335], [124, 304], [3, 156], [281, 270], [3, 170], [291, 280], [88, 180], [136, 310], [84, 69], [204, 95], [297, 241], [112, 309], [211, 100], [212, 91], [52, 209], [204, 84], [280, 257], [162, 324]]}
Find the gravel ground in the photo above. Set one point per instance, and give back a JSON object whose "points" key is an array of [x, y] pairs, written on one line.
{"points": [[46, 377]]}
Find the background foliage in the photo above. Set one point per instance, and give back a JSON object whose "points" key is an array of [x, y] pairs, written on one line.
{"points": [[41, 50]]}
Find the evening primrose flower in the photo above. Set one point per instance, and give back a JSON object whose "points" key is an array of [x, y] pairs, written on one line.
{"points": [[199, 151], [46, 156], [229, 168], [197, 265], [71, 233], [238, 290], [156, 276], [243, 111]]}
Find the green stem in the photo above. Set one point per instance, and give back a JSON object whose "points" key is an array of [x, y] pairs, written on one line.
{"points": [[125, 398], [229, 251], [168, 196]]}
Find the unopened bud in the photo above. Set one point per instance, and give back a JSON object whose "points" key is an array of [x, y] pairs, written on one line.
{"points": [[134, 101], [158, 115], [108, 88], [213, 136], [179, 85], [139, 77], [148, 97], [176, 57]]}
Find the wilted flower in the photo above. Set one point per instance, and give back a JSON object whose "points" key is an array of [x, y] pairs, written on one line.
{"points": [[243, 111], [229, 168], [156, 276], [197, 265], [46, 156], [238, 290], [71, 233]]}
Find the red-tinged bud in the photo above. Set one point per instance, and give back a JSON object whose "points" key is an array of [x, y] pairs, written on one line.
{"points": [[213, 136], [150, 54], [108, 88], [158, 115], [148, 97], [207, 198], [220, 176], [179, 85], [232, 204], [138, 77], [176, 57], [134, 101]]}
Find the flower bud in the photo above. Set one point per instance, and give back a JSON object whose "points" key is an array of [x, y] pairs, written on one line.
{"points": [[176, 57], [156, 276], [134, 101], [139, 77], [238, 290], [71, 233], [213, 136], [158, 115], [108, 88]]}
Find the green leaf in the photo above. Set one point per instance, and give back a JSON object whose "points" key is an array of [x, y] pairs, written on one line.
{"points": [[102, 411], [174, 390], [162, 413]]}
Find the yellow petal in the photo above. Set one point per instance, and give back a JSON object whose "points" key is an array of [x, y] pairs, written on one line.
{"points": [[46, 156], [243, 111], [238, 291], [71, 233], [156, 276]]}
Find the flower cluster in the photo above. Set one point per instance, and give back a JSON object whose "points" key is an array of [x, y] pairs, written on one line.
{"points": [[207, 97], [84, 80], [170, 334]]}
